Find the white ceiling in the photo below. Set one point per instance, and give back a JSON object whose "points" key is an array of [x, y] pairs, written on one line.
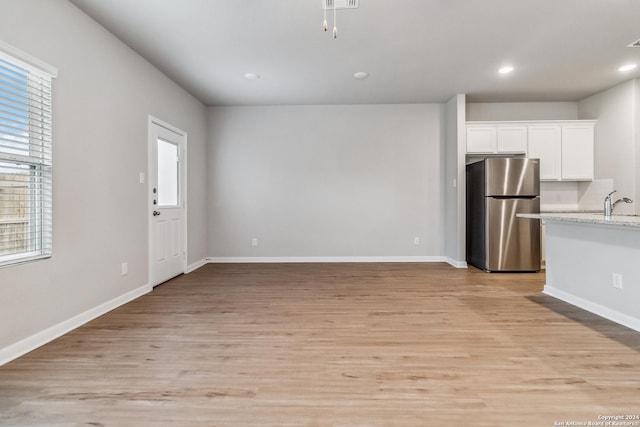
{"points": [[416, 51]]}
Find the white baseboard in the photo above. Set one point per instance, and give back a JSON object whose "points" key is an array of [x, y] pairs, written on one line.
{"points": [[457, 264], [28, 344], [196, 265], [219, 260], [600, 310]]}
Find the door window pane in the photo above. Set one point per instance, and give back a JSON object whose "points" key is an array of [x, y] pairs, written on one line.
{"points": [[167, 173]]}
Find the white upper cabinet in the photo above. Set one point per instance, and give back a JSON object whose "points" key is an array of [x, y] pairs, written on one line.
{"points": [[565, 148], [544, 144], [481, 139], [577, 152], [512, 139], [494, 139]]}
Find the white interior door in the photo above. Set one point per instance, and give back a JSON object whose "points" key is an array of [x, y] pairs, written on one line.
{"points": [[167, 245]]}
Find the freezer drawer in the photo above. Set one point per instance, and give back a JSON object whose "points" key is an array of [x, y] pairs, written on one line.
{"points": [[512, 244]]}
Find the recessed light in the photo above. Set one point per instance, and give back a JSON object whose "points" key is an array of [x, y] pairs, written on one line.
{"points": [[628, 67], [360, 75], [251, 76], [506, 69]]}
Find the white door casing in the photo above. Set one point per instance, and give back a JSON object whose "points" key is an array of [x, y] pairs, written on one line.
{"points": [[167, 201]]}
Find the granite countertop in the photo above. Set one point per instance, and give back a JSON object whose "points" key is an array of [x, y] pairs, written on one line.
{"points": [[631, 221], [556, 211]]}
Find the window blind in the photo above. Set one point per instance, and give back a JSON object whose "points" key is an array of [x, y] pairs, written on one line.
{"points": [[25, 161]]}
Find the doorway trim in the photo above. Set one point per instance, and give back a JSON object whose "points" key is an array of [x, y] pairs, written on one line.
{"points": [[182, 191]]}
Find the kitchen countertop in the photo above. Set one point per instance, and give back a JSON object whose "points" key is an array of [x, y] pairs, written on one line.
{"points": [[554, 211], [630, 221]]}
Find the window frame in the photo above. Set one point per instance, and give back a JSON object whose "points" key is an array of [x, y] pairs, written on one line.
{"points": [[39, 145]]}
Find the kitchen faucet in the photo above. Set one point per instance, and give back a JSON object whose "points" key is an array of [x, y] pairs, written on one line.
{"points": [[608, 205]]}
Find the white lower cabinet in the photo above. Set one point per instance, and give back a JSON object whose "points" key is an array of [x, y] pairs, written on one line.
{"points": [[543, 251]]}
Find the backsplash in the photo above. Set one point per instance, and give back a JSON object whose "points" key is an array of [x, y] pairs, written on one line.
{"points": [[558, 196], [574, 196], [591, 194]]}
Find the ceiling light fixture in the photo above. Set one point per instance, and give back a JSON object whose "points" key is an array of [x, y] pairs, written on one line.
{"points": [[251, 76], [335, 22], [627, 67], [506, 69], [325, 26], [335, 5], [360, 75]]}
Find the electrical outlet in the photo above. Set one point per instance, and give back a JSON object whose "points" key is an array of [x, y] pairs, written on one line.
{"points": [[416, 240], [125, 268], [617, 280], [254, 242]]}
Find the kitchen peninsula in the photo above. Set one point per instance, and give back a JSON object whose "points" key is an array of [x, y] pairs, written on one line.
{"points": [[592, 263]]}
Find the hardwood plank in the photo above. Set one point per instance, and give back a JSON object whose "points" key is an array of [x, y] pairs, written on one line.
{"points": [[331, 344]]}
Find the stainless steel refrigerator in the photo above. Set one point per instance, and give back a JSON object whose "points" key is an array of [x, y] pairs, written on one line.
{"points": [[497, 189]]}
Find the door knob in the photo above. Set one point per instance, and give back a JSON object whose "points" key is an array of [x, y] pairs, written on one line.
{"points": [[156, 213]]}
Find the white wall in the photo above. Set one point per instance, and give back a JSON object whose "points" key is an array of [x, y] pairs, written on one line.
{"points": [[636, 114], [454, 161], [615, 137], [326, 181], [522, 111], [102, 99]]}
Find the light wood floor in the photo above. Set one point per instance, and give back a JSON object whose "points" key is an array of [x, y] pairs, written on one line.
{"points": [[332, 345]]}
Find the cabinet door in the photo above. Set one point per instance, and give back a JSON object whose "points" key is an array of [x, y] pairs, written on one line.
{"points": [[512, 139], [481, 139], [543, 254], [577, 152], [544, 144]]}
